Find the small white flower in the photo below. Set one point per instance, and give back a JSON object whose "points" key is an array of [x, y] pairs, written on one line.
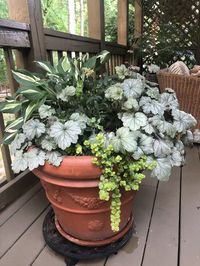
{"points": [[46, 111], [65, 134], [66, 93], [114, 92], [122, 71], [33, 128], [153, 68], [17, 142]]}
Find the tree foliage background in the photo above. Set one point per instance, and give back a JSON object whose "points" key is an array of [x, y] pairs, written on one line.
{"points": [[56, 16]]}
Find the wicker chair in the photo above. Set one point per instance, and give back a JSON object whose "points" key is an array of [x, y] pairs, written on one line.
{"points": [[187, 89]]}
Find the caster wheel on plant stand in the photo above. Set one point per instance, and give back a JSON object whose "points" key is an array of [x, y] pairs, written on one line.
{"points": [[71, 252]]}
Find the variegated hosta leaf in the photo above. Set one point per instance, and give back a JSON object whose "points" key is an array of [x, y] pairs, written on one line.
{"points": [[183, 121], [66, 93], [131, 103], [81, 119], [125, 140], [17, 142], [133, 87], [146, 143], [177, 159], [35, 158], [153, 93], [134, 121], [162, 171], [54, 158], [46, 111], [151, 106], [48, 144], [197, 136], [122, 71], [169, 100], [65, 134], [161, 148], [33, 128]]}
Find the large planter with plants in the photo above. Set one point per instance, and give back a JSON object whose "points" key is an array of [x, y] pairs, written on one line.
{"points": [[73, 191], [91, 139]]}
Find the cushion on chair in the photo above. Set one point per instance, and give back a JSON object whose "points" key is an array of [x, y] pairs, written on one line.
{"points": [[179, 68]]}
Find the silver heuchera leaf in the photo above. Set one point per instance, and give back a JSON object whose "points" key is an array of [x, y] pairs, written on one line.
{"points": [[161, 148], [17, 142], [162, 171], [125, 140], [122, 71], [197, 136], [66, 93], [65, 134], [153, 93], [169, 100], [134, 121], [133, 87], [146, 143], [35, 158], [138, 154], [177, 159], [131, 103], [19, 163], [81, 119], [46, 111], [54, 158], [166, 127], [149, 129], [33, 128], [48, 143], [114, 92], [183, 121], [153, 107]]}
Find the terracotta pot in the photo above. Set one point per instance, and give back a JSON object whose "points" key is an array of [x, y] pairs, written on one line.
{"points": [[81, 217]]}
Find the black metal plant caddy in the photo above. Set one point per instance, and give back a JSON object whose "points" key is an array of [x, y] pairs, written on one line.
{"points": [[73, 252]]}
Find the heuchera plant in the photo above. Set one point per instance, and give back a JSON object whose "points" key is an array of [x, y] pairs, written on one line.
{"points": [[122, 120]]}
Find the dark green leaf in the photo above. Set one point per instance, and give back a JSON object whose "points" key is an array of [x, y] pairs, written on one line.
{"points": [[16, 124], [9, 137]]}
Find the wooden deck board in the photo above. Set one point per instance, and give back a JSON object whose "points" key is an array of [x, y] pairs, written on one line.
{"points": [[13, 208], [154, 244], [29, 245], [14, 228], [133, 251], [190, 212], [164, 230]]}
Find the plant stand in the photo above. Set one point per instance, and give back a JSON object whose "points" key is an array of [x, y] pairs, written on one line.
{"points": [[73, 252]]}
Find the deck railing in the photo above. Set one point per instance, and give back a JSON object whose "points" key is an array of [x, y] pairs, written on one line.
{"points": [[23, 43]]}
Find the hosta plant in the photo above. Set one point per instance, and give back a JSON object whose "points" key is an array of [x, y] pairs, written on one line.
{"points": [[122, 120]]}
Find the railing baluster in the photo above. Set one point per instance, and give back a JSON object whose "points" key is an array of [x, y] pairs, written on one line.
{"points": [[5, 152]]}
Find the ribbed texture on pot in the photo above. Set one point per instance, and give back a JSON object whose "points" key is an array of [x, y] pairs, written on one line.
{"points": [[187, 89]]}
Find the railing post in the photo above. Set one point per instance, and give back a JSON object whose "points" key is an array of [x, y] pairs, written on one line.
{"points": [[96, 21], [122, 22], [30, 11], [138, 19]]}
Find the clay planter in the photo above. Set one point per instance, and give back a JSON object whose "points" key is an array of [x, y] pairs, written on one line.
{"points": [[81, 217]]}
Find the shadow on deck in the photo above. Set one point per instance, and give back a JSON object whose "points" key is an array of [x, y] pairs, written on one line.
{"points": [[167, 217]]}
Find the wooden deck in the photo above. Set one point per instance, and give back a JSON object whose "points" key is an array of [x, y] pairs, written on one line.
{"points": [[167, 217]]}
